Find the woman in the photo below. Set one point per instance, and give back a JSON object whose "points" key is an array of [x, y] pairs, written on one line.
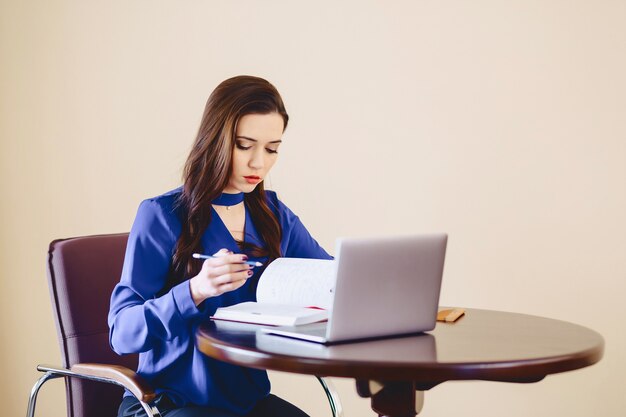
{"points": [[222, 209]]}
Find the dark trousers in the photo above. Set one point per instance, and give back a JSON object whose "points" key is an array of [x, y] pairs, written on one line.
{"points": [[271, 406]]}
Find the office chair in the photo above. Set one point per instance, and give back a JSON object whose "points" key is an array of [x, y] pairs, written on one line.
{"points": [[82, 272]]}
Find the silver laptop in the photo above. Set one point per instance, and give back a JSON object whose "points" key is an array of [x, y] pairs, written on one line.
{"points": [[384, 287]]}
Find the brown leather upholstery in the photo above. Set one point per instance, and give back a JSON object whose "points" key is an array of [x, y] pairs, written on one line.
{"points": [[82, 273]]}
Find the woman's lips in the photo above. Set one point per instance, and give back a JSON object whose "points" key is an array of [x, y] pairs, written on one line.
{"points": [[253, 179]]}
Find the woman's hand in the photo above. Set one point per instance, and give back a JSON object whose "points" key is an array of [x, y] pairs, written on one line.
{"points": [[226, 272]]}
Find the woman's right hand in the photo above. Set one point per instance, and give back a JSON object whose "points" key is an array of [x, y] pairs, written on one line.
{"points": [[226, 272]]}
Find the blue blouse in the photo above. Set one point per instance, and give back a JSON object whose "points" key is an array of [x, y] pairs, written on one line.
{"points": [[160, 327]]}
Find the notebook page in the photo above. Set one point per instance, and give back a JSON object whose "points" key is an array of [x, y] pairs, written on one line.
{"points": [[296, 281]]}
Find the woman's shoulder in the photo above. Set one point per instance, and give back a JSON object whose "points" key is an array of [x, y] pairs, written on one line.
{"points": [[271, 196], [285, 215], [168, 201], [274, 202], [163, 208]]}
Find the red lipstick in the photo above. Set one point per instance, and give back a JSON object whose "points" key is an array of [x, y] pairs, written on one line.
{"points": [[252, 179]]}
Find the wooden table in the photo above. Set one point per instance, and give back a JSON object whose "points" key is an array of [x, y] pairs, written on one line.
{"points": [[482, 345]]}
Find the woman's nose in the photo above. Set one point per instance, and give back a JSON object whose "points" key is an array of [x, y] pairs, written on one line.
{"points": [[256, 161]]}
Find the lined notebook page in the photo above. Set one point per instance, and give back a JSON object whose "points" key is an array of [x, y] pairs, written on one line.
{"points": [[296, 281]]}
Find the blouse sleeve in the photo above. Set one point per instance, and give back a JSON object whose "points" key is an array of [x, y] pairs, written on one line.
{"points": [[138, 319], [297, 241]]}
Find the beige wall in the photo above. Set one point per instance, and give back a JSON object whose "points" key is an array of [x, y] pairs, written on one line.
{"points": [[500, 122]]}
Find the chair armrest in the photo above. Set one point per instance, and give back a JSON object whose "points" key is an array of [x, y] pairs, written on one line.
{"points": [[113, 374]]}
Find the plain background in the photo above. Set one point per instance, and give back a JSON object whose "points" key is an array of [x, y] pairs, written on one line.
{"points": [[500, 122]]}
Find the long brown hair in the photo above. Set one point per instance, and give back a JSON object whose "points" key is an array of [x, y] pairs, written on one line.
{"points": [[209, 165]]}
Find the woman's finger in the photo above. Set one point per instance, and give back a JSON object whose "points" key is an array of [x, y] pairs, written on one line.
{"points": [[222, 252], [231, 277], [231, 286], [227, 259], [218, 271]]}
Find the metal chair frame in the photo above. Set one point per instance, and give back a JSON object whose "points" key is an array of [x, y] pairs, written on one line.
{"points": [[151, 410], [54, 372]]}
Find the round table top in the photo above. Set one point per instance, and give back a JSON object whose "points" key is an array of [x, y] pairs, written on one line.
{"points": [[483, 344]]}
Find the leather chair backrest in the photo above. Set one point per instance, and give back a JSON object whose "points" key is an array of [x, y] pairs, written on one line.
{"points": [[82, 272]]}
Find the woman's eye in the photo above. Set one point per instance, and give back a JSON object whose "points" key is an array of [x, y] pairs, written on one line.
{"points": [[243, 148], [271, 150]]}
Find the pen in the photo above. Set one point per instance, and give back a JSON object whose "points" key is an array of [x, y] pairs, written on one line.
{"points": [[201, 256]]}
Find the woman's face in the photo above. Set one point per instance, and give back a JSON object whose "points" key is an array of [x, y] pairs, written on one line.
{"points": [[257, 138]]}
